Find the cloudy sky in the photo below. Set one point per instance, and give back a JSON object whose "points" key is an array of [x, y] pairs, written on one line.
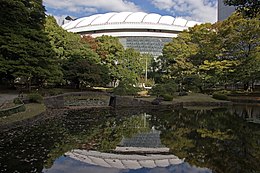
{"points": [[198, 10]]}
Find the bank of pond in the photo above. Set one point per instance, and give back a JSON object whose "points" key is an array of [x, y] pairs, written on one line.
{"points": [[187, 139]]}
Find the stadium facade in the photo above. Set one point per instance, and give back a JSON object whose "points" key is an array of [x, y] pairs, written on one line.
{"points": [[144, 32]]}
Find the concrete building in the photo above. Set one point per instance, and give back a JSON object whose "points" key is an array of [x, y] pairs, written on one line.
{"points": [[144, 32], [224, 11]]}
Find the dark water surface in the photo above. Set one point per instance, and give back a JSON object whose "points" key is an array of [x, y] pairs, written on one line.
{"points": [[222, 140]]}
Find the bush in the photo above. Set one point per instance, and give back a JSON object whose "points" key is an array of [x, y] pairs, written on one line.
{"points": [[17, 101], [162, 89], [167, 97], [219, 96], [35, 98], [149, 83], [126, 89], [183, 93]]}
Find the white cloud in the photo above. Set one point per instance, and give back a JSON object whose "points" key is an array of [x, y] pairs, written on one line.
{"points": [[92, 6], [199, 10]]}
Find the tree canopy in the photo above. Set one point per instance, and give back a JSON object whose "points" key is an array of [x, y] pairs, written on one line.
{"points": [[25, 52], [225, 53], [250, 8]]}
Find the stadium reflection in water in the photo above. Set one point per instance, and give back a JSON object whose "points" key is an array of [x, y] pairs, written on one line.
{"points": [[180, 140]]}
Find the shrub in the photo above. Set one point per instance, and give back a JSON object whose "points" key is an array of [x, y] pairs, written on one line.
{"points": [[149, 83], [126, 89], [219, 96], [183, 93], [17, 101], [35, 98], [167, 97], [162, 89]]}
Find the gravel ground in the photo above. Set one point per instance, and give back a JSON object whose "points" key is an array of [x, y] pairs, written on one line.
{"points": [[6, 97]]}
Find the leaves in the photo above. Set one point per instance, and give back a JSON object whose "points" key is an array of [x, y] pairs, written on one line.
{"points": [[223, 53]]}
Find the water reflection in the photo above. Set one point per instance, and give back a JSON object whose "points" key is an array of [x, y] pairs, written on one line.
{"points": [[249, 112], [69, 165], [219, 140]]}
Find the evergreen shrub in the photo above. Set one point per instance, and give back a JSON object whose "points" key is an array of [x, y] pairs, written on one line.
{"points": [[126, 89], [163, 89], [219, 96], [35, 98], [167, 97]]}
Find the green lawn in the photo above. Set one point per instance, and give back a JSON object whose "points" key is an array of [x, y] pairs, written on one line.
{"points": [[32, 109]]}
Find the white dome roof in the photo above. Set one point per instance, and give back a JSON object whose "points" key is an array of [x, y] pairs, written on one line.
{"points": [[126, 18]]}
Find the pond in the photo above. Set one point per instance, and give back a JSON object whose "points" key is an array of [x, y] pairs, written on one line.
{"points": [[193, 140]]}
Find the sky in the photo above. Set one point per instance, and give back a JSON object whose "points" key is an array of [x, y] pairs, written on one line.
{"points": [[197, 10]]}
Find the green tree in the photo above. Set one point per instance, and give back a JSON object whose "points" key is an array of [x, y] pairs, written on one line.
{"points": [[178, 54], [130, 66], [241, 41], [225, 53], [25, 50], [110, 52], [250, 8], [124, 65], [83, 71], [80, 64]]}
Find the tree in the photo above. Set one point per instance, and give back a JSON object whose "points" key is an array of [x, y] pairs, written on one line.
{"points": [[124, 65], [241, 41], [178, 54], [249, 8], [225, 53], [25, 50], [83, 71], [110, 51], [130, 66], [80, 63]]}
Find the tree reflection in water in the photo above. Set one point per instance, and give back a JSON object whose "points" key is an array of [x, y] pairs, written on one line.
{"points": [[219, 139], [216, 139]]}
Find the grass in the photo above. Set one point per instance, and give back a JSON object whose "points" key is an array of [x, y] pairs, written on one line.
{"points": [[32, 109]]}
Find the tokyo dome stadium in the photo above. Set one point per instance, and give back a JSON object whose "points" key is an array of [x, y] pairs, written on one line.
{"points": [[144, 32]]}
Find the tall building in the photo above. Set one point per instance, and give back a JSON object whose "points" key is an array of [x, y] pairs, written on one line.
{"points": [[144, 32], [224, 11]]}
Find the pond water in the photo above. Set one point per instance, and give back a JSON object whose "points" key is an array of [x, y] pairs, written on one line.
{"points": [[192, 140]]}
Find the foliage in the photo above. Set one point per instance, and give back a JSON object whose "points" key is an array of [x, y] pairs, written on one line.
{"points": [[205, 133], [164, 89], [125, 88], [80, 64], [182, 93], [211, 55], [249, 8], [84, 72], [149, 83], [122, 64], [219, 96], [25, 51], [17, 101], [167, 97], [35, 98]]}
